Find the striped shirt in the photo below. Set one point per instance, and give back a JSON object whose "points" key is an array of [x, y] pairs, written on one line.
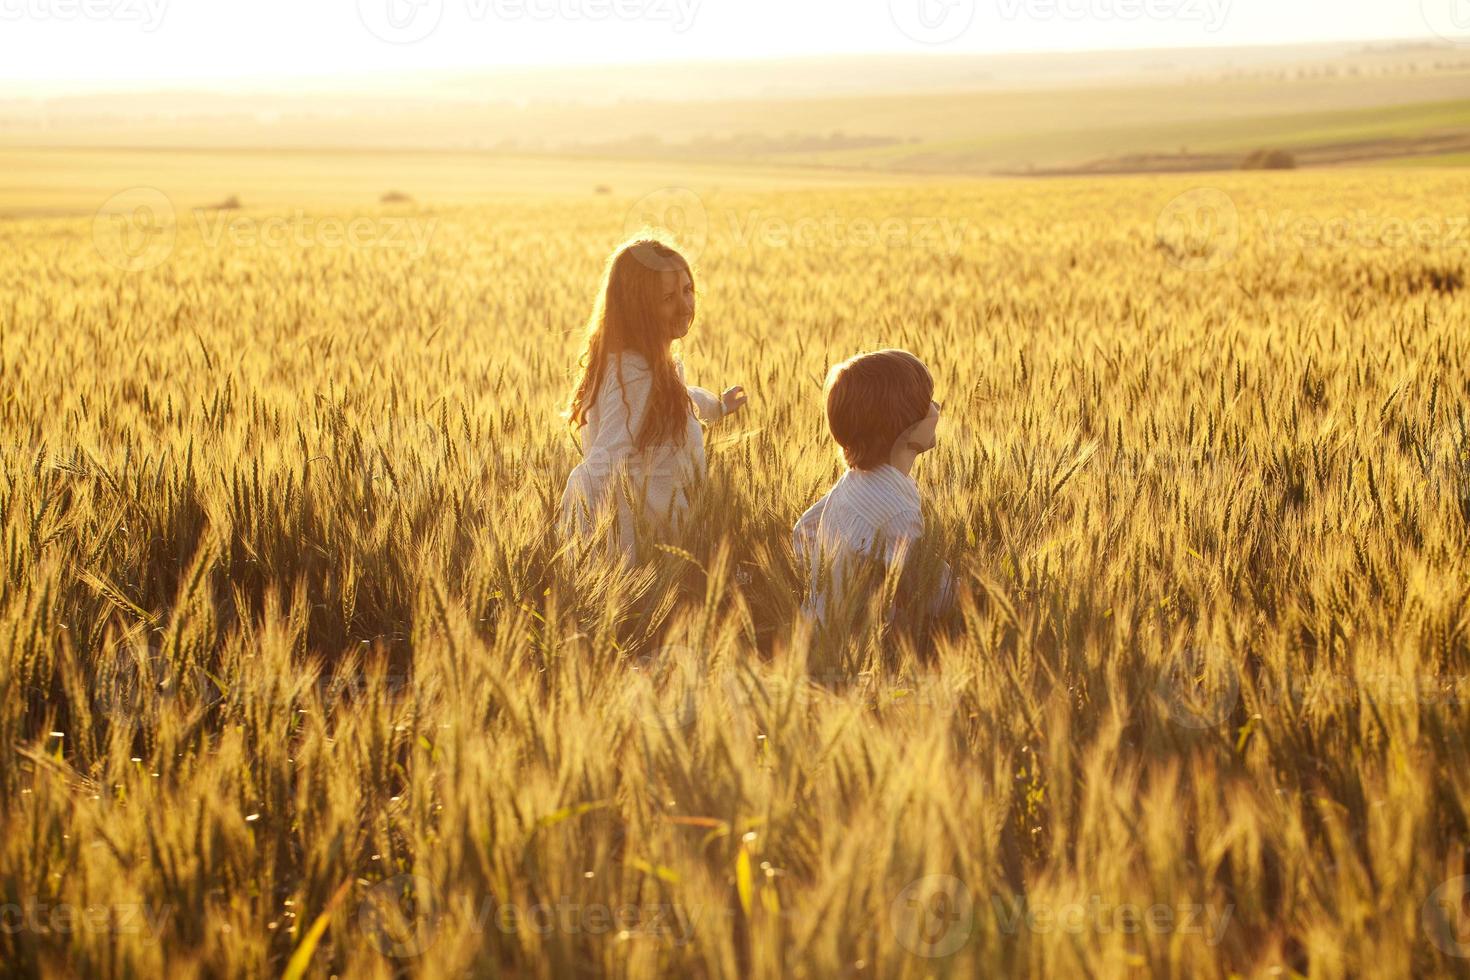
{"points": [[661, 477], [872, 514]]}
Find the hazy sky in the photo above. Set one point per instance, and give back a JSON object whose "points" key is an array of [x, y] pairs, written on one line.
{"points": [[80, 43]]}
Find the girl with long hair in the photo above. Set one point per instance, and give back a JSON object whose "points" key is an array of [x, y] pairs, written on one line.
{"points": [[642, 442]]}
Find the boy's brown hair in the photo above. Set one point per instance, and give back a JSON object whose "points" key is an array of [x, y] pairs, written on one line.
{"points": [[872, 399]]}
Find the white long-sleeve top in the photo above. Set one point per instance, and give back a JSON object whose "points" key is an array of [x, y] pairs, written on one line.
{"points": [[661, 476], [867, 515]]}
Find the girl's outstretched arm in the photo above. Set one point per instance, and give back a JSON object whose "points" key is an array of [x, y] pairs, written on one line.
{"points": [[709, 406], [706, 404], [712, 407]]}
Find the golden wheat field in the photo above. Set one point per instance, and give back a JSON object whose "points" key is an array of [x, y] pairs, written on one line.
{"points": [[295, 680]]}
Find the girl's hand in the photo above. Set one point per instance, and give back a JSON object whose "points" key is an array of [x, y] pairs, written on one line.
{"points": [[733, 400]]}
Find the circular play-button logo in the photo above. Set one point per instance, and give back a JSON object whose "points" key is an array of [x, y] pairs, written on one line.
{"points": [[1199, 229], [932, 21], [1450, 19], [933, 916], [400, 21], [673, 211], [135, 230]]}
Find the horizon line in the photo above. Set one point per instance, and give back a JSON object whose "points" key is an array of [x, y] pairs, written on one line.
{"points": [[109, 86]]}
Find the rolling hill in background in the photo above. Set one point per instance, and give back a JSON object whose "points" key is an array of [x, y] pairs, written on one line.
{"points": [[899, 116]]}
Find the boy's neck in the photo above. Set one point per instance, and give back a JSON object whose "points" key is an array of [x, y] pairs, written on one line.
{"points": [[902, 459]]}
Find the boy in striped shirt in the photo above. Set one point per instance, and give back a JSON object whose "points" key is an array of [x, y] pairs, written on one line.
{"points": [[881, 410]]}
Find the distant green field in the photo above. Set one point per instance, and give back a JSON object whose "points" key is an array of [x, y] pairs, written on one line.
{"points": [[1317, 129], [1433, 160], [1397, 128]]}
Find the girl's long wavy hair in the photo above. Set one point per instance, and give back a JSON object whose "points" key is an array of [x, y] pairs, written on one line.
{"points": [[626, 318]]}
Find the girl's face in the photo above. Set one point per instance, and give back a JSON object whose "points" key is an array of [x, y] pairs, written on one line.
{"points": [[676, 305]]}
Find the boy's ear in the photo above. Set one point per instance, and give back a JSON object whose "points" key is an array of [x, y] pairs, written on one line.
{"points": [[904, 438]]}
